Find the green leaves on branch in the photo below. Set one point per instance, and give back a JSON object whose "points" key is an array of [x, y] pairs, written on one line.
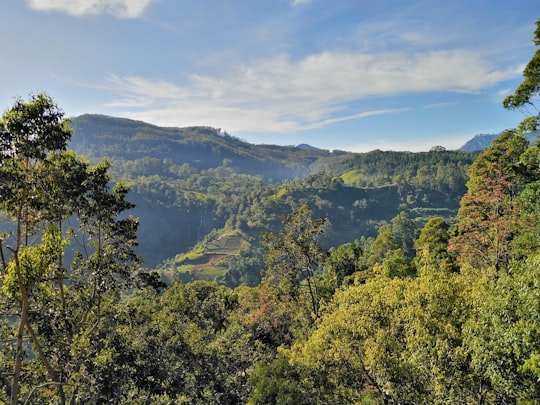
{"points": [[34, 128], [295, 257], [36, 264]]}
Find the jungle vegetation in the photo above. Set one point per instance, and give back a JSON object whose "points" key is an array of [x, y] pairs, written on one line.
{"points": [[380, 278]]}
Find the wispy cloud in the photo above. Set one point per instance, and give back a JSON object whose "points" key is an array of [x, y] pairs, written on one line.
{"points": [[78, 8], [281, 95], [354, 117], [441, 105]]}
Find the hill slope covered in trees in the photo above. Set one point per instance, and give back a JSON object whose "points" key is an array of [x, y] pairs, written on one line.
{"points": [[188, 182]]}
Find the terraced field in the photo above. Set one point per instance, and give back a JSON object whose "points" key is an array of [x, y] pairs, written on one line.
{"points": [[209, 261]]}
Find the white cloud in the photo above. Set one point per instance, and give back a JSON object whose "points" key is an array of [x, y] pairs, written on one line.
{"points": [[280, 95], [78, 8]]}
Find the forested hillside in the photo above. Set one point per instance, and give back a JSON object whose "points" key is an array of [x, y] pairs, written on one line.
{"points": [[188, 182], [145, 145], [431, 309]]}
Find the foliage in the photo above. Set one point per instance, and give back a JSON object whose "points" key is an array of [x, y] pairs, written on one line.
{"points": [[439, 338], [502, 332], [295, 257], [489, 214], [185, 344], [432, 248], [60, 300]]}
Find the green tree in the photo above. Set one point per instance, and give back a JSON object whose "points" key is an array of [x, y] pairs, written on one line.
{"points": [[356, 341], [187, 345], [381, 247], [29, 132], [502, 332], [277, 382], [404, 231], [432, 248], [401, 337], [342, 263], [396, 264], [295, 257], [54, 200], [391, 251], [528, 239]]}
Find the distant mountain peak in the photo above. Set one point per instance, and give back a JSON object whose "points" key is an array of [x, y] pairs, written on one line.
{"points": [[482, 141], [306, 146], [479, 142]]}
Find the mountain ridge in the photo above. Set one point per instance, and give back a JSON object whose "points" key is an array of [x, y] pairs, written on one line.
{"points": [[201, 147], [260, 153]]}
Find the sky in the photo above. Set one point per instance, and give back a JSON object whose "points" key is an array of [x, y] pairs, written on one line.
{"points": [[353, 75]]}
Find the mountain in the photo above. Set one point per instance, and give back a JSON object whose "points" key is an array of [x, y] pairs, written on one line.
{"points": [[100, 136], [306, 146], [479, 142], [482, 141]]}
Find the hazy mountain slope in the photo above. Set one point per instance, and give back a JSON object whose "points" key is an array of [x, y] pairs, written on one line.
{"points": [[99, 136], [482, 141], [479, 142]]}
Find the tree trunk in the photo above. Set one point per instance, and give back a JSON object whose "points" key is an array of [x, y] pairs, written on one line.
{"points": [[15, 387]]}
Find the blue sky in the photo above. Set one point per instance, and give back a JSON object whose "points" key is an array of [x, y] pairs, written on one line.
{"points": [[353, 75]]}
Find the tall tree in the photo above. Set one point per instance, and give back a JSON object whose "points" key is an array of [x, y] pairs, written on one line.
{"points": [[502, 332], [295, 256], [30, 131], [432, 248], [404, 231], [54, 200], [400, 338], [528, 239], [489, 213]]}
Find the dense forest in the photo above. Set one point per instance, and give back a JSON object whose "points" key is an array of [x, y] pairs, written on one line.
{"points": [[378, 278], [192, 186]]}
